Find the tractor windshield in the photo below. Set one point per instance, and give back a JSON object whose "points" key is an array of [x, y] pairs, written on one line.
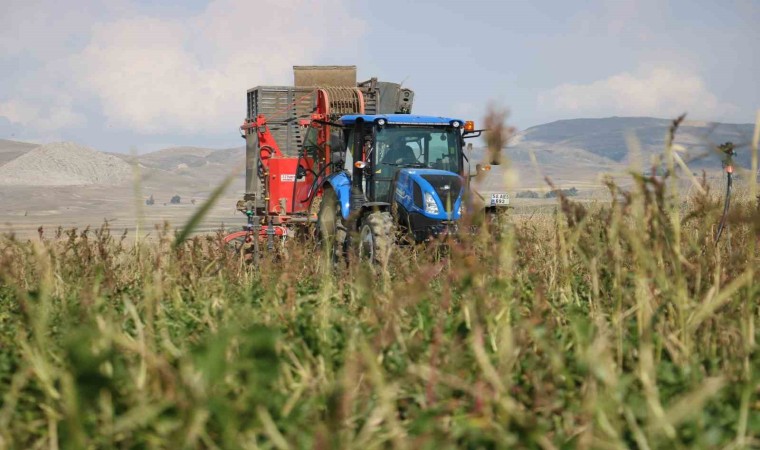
{"points": [[430, 147], [433, 147]]}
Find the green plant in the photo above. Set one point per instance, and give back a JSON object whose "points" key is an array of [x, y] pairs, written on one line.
{"points": [[619, 325]]}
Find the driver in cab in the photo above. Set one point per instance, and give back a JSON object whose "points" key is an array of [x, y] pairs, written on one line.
{"points": [[399, 153]]}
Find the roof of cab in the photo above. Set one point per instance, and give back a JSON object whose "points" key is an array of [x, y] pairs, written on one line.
{"points": [[399, 119]]}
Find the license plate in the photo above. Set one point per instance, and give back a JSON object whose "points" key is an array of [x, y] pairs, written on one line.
{"points": [[499, 199]]}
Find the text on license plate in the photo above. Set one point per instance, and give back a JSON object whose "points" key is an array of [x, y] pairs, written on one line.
{"points": [[499, 199]]}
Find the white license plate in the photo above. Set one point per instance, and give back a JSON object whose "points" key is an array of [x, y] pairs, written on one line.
{"points": [[499, 199]]}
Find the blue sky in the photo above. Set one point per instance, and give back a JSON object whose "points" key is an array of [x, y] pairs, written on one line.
{"points": [[146, 75]]}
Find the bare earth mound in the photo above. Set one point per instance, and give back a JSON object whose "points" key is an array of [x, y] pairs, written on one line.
{"points": [[10, 150], [64, 164]]}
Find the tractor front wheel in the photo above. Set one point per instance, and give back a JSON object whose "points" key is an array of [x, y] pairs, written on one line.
{"points": [[332, 230], [377, 238]]}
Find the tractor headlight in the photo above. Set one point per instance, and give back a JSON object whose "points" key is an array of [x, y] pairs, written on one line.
{"points": [[460, 210], [431, 207]]}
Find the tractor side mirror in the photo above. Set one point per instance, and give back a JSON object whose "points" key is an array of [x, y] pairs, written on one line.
{"points": [[468, 150]]}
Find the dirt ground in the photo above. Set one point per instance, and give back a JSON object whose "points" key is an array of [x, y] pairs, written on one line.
{"points": [[24, 209]]}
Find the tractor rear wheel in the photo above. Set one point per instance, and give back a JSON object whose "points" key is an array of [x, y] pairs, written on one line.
{"points": [[377, 238], [332, 230]]}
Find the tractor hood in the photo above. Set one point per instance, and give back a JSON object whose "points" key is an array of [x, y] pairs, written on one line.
{"points": [[445, 187], [437, 179]]}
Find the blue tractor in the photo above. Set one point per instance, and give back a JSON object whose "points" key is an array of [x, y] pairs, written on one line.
{"points": [[403, 177]]}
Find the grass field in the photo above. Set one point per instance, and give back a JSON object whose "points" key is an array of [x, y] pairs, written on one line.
{"points": [[623, 325]]}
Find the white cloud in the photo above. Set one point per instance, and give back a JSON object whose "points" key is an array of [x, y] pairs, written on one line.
{"points": [[19, 111], [660, 92], [54, 117], [45, 29], [61, 117], [151, 73], [191, 75], [614, 18]]}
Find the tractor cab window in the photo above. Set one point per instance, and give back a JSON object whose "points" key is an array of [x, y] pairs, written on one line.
{"points": [[348, 137], [310, 143], [430, 147], [337, 145], [442, 153], [313, 149]]}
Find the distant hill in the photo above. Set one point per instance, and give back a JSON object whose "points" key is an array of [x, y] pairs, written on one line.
{"points": [[182, 158], [10, 150], [64, 164], [196, 168], [576, 152], [608, 139], [581, 151]]}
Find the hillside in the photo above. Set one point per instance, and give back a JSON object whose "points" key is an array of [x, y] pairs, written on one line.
{"points": [[608, 139], [64, 164], [581, 151], [10, 150], [575, 150], [194, 168], [182, 158], [91, 186]]}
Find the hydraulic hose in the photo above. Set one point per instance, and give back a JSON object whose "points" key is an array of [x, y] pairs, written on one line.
{"points": [[316, 176], [295, 183], [315, 185]]}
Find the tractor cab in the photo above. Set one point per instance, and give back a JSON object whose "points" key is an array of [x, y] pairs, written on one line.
{"points": [[402, 172], [380, 148]]}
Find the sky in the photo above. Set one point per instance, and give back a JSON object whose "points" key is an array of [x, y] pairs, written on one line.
{"points": [[139, 75]]}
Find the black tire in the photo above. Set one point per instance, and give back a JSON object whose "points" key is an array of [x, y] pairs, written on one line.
{"points": [[238, 247], [331, 228], [377, 238]]}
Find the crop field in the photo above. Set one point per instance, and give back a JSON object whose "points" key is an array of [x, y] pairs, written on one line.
{"points": [[615, 325]]}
